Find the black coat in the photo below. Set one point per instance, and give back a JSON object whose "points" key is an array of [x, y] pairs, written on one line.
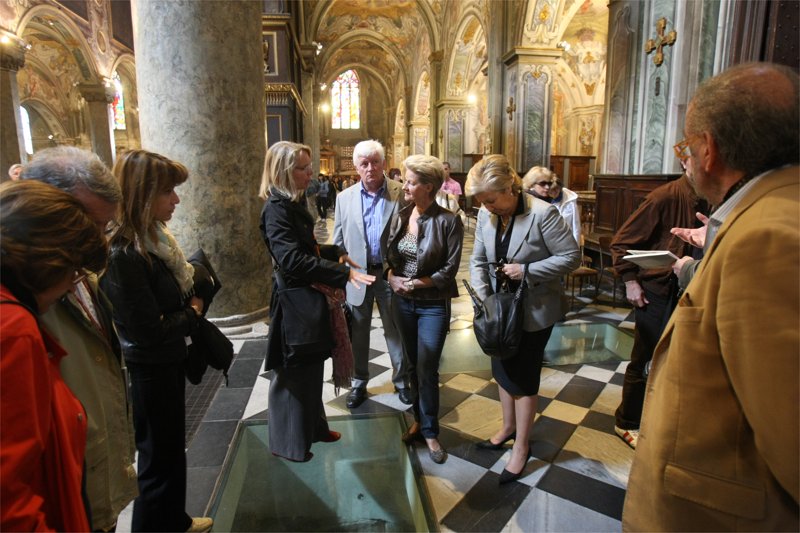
{"points": [[288, 231], [151, 314]]}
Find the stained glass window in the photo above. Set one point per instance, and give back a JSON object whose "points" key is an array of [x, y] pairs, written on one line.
{"points": [[119, 104], [345, 102]]}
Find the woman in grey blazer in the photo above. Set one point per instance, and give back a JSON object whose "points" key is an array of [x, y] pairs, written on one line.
{"points": [[518, 235]]}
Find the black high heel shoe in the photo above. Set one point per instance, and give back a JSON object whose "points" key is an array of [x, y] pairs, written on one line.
{"points": [[506, 476], [489, 445]]}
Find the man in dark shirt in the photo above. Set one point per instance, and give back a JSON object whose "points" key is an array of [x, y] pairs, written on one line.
{"points": [[652, 292]]}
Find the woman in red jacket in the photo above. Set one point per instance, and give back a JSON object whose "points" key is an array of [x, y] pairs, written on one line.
{"points": [[48, 242]]}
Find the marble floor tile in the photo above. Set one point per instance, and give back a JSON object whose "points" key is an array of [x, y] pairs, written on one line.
{"points": [[598, 455], [566, 412], [608, 399], [552, 381], [466, 383], [448, 483], [597, 374], [477, 416], [259, 398], [487, 506], [580, 391], [542, 511], [585, 491]]}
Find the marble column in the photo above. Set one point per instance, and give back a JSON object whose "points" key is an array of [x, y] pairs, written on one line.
{"points": [[199, 70], [12, 58], [452, 125], [527, 118], [98, 96], [435, 60]]}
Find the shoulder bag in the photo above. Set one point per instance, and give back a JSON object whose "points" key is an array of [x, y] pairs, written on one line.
{"points": [[499, 319]]}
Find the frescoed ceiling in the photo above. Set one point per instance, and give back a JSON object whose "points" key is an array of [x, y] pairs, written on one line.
{"points": [[379, 34]]}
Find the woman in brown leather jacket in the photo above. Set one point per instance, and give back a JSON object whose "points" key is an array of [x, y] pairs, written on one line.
{"points": [[424, 253]]}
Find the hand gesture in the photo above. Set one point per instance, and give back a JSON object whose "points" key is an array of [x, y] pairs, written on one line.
{"points": [[513, 271], [694, 236]]}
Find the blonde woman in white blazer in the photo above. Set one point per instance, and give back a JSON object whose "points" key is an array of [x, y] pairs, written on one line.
{"points": [[518, 235]]}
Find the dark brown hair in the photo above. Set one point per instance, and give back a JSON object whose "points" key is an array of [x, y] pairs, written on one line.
{"points": [[46, 235]]}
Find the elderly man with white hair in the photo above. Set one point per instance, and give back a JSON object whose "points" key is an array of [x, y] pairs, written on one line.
{"points": [[361, 227]]}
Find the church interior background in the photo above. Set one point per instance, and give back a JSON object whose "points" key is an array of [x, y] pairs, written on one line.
{"points": [[595, 89]]}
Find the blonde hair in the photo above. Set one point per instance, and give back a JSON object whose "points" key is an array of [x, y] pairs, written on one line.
{"points": [[142, 176], [535, 174], [429, 170], [278, 167], [493, 173], [47, 235]]}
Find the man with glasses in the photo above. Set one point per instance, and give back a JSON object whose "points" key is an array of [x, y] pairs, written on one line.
{"points": [[652, 292], [82, 322], [719, 446], [361, 227]]}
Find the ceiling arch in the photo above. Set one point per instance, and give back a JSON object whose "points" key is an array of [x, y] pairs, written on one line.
{"points": [[363, 46], [358, 67]]}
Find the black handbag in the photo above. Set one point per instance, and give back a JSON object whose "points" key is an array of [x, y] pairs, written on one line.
{"points": [[305, 323], [498, 320]]}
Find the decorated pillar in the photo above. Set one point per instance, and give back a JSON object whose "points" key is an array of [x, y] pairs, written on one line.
{"points": [[435, 60], [528, 106], [452, 125], [12, 145], [98, 96], [200, 74]]}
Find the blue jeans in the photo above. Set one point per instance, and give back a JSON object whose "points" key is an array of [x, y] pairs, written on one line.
{"points": [[423, 326]]}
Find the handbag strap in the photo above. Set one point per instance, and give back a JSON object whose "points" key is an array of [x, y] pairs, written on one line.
{"points": [[276, 270]]}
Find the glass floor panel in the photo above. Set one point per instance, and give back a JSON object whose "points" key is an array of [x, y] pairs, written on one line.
{"points": [[569, 344], [367, 481]]}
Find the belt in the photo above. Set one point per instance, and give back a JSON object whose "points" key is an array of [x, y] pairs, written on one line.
{"points": [[375, 266]]}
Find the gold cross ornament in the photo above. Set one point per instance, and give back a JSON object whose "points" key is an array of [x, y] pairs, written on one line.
{"points": [[511, 108], [660, 41]]}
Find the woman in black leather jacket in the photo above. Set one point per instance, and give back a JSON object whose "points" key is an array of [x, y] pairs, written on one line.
{"points": [[296, 414], [151, 287], [424, 253]]}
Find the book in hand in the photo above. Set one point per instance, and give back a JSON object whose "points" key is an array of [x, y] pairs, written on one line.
{"points": [[651, 258]]}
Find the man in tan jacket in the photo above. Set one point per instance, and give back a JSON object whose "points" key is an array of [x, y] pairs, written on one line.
{"points": [[718, 448]]}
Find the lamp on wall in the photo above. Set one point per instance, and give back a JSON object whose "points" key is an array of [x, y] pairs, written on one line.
{"points": [[325, 108], [564, 45], [472, 99]]}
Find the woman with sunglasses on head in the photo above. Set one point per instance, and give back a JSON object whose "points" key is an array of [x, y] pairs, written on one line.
{"points": [[532, 241], [151, 287], [48, 244]]}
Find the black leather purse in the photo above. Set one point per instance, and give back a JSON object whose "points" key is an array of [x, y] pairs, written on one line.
{"points": [[305, 324], [498, 320]]}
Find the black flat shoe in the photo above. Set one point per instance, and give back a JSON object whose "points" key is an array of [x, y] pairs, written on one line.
{"points": [[508, 477], [489, 445], [438, 456], [356, 397]]}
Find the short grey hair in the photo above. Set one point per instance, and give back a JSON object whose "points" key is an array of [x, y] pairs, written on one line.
{"points": [[751, 111], [70, 169], [368, 148]]}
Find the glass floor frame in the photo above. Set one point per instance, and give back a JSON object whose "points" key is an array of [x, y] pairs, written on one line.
{"points": [[347, 486]]}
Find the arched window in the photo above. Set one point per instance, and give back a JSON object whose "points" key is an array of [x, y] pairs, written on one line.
{"points": [[345, 102], [119, 104], [26, 130]]}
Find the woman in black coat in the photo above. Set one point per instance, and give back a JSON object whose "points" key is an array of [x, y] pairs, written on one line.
{"points": [[151, 287], [296, 414]]}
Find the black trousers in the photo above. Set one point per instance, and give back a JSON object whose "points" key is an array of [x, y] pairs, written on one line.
{"points": [[159, 418], [650, 323], [322, 206]]}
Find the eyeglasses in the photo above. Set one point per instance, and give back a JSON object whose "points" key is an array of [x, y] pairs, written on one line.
{"points": [[79, 275], [544, 183], [681, 149]]}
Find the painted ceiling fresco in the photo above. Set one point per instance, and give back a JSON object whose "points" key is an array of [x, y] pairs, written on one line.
{"points": [[397, 21], [363, 53], [469, 57], [587, 35]]}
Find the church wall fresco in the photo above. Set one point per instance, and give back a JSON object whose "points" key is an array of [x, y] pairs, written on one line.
{"points": [[536, 99]]}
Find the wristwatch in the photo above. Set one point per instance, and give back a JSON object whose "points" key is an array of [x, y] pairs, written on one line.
{"points": [[409, 285]]}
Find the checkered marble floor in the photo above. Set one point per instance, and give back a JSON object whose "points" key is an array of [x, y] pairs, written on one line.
{"points": [[574, 481]]}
